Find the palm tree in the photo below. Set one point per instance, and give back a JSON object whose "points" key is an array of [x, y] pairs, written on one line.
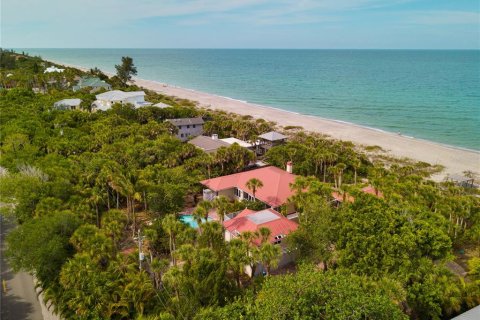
{"points": [[340, 168], [264, 233], [237, 259], [223, 205], [158, 266], [253, 185], [172, 226], [355, 163], [269, 256]]}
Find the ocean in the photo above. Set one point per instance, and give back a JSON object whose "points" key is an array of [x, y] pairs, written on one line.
{"points": [[427, 94]]}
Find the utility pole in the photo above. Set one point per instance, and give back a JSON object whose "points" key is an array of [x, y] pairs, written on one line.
{"points": [[141, 256]]}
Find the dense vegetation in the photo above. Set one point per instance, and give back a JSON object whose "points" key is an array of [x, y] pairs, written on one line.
{"points": [[84, 186]]}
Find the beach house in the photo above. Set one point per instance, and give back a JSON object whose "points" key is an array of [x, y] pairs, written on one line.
{"points": [[275, 192], [268, 140], [107, 99], [68, 104], [208, 144], [187, 127], [252, 221], [94, 83]]}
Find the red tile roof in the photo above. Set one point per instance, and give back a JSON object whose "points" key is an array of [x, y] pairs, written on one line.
{"points": [[339, 197], [276, 184], [249, 220], [372, 190]]}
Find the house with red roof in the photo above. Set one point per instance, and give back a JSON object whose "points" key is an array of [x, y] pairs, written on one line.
{"points": [[274, 193], [252, 221], [373, 191]]}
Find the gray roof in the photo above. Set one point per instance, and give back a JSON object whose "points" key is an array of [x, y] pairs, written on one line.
{"points": [[208, 144], [471, 314], [262, 217], [186, 121], [68, 102], [272, 136]]}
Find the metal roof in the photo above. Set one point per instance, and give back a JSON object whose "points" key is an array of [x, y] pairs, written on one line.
{"points": [[68, 102], [117, 95], [241, 143], [92, 82], [208, 144], [186, 121], [263, 216], [272, 136]]}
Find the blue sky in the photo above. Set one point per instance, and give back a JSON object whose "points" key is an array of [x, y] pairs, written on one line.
{"points": [[425, 24]]}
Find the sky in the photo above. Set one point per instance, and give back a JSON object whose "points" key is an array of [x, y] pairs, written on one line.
{"points": [[325, 24]]}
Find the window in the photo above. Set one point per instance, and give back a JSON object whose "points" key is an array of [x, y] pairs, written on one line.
{"points": [[188, 126], [238, 192], [194, 126], [179, 127], [181, 135]]}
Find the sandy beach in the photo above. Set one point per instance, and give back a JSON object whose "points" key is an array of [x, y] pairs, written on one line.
{"points": [[455, 160]]}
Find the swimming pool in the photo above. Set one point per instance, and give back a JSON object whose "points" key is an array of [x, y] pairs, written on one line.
{"points": [[190, 220]]}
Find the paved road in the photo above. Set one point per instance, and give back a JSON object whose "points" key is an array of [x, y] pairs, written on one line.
{"points": [[20, 301]]}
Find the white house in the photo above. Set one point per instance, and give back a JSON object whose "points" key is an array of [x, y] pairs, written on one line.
{"points": [[53, 69], [67, 104], [107, 99]]}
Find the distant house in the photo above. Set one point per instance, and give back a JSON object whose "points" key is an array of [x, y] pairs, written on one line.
{"points": [[373, 191], [251, 221], [461, 180], [53, 69], [275, 192], [91, 82], [208, 144], [162, 105], [188, 127], [241, 143], [269, 140], [107, 99], [67, 104]]}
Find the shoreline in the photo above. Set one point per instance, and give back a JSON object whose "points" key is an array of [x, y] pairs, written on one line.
{"points": [[454, 159]]}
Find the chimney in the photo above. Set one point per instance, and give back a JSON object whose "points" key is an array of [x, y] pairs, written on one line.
{"points": [[289, 167], [214, 136]]}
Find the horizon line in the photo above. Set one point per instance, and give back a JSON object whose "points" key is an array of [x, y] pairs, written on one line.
{"points": [[251, 48]]}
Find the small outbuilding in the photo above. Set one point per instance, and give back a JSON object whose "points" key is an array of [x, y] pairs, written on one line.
{"points": [[269, 140]]}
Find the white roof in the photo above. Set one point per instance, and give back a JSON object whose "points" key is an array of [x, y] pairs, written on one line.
{"points": [[162, 105], [53, 69], [117, 95], [68, 102], [272, 136], [241, 143]]}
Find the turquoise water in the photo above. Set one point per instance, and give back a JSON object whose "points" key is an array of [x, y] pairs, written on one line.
{"points": [[190, 220], [429, 94]]}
